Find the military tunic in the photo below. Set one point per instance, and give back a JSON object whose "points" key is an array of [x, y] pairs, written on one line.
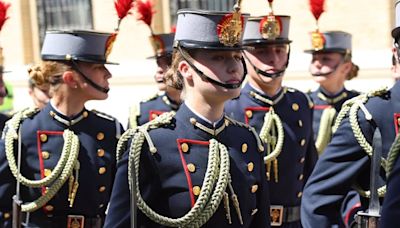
{"points": [[298, 155], [323, 101], [391, 205], [345, 164], [42, 143], [151, 108], [171, 180]]}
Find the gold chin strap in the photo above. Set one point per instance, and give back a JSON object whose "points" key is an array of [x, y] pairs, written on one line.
{"points": [[335, 100], [210, 131]]}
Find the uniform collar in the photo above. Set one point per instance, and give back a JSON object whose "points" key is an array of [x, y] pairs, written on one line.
{"points": [[169, 102], [332, 99], [264, 98], [61, 118], [200, 123]]}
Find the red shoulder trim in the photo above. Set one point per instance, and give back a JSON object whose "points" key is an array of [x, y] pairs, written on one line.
{"points": [[254, 109]]}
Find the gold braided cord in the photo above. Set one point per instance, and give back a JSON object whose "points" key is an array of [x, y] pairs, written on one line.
{"points": [[121, 145], [392, 155], [214, 185], [60, 174], [356, 104], [272, 121], [367, 194], [325, 129]]}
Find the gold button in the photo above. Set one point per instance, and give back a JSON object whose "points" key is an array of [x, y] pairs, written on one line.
{"points": [[102, 170], [301, 177], [295, 107], [185, 147], [43, 137], [52, 114], [102, 188], [196, 190], [254, 188], [302, 160], [249, 114], [193, 120], [303, 142], [85, 114], [226, 122], [153, 116], [100, 136], [244, 147], [101, 205], [45, 155], [300, 123], [300, 194], [47, 172], [49, 208], [191, 167], [250, 167], [6, 215], [100, 152]]}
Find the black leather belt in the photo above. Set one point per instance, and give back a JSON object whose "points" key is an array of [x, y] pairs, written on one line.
{"points": [[280, 214], [68, 221]]}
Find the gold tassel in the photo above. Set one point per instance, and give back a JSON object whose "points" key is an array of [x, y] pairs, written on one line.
{"points": [[276, 170], [70, 186], [227, 208]]}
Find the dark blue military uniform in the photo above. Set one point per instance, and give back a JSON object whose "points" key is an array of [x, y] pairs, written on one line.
{"points": [[344, 164], [151, 108], [298, 155], [323, 101], [391, 205], [42, 143], [171, 179]]}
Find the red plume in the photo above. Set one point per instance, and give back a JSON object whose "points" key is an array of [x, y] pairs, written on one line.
{"points": [[3, 13], [145, 11], [317, 8], [123, 7]]}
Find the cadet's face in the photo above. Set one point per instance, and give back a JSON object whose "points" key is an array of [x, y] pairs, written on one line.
{"points": [[323, 63], [163, 63], [269, 58], [99, 74], [222, 66]]}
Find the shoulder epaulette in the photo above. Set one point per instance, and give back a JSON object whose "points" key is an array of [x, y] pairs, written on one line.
{"points": [[150, 98], [134, 113], [118, 129], [103, 115], [240, 124], [309, 100]]}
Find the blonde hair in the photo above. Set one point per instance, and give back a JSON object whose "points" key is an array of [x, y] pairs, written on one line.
{"points": [[48, 74], [354, 68], [172, 77]]}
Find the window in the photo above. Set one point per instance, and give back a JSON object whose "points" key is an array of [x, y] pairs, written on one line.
{"points": [[218, 5], [63, 14]]}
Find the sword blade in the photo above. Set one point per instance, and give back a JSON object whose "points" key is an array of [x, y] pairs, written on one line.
{"points": [[374, 205]]}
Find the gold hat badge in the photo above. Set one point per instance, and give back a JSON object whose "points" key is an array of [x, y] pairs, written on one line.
{"points": [[230, 28], [271, 25]]}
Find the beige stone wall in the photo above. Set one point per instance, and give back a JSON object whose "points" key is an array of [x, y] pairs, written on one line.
{"points": [[369, 21]]}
